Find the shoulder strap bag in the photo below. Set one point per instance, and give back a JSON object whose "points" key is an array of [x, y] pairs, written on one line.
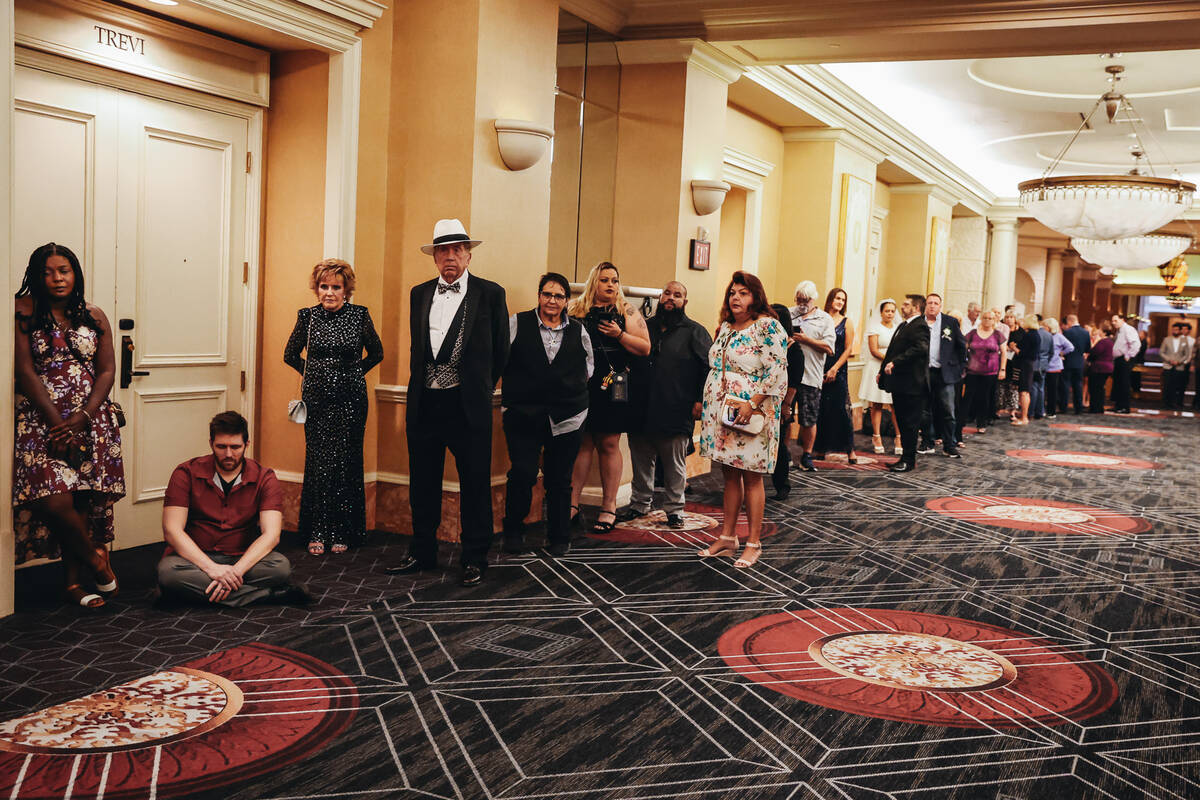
{"points": [[729, 402]]}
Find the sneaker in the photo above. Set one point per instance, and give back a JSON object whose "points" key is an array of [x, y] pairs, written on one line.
{"points": [[806, 463], [1052, 416], [925, 448]]}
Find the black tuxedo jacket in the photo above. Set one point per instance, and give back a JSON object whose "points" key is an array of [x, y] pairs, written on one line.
{"points": [[953, 352], [909, 351], [485, 347]]}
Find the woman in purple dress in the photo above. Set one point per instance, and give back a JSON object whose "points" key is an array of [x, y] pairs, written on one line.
{"points": [[68, 471]]}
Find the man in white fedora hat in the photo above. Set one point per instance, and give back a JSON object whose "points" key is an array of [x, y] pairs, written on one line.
{"points": [[459, 347]]}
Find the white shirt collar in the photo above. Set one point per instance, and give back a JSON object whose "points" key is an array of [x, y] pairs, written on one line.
{"points": [[461, 281]]}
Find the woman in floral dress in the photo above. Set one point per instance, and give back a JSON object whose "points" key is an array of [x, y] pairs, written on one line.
{"points": [[747, 371], [68, 471]]}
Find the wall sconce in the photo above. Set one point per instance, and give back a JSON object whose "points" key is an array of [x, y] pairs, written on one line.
{"points": [[522, 144], [707, 196]]}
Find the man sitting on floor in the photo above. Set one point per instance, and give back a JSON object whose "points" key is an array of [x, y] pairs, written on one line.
{"points": [[221, 518]]}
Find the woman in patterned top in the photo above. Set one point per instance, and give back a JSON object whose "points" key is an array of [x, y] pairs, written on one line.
{"points": [[748, 372], [68, 471], [333, 335]]}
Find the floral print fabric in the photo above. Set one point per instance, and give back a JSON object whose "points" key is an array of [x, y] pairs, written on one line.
{"points": [[35, 473], [755, 362]]}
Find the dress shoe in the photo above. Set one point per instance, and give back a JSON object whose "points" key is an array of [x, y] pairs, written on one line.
{"points": [[471, 576], [629, 513], [782, 492], [901, 466], [287, 595], [953, 454], [407, 566], [555, 549], [806, 463], [675, 520], [515, 546]]}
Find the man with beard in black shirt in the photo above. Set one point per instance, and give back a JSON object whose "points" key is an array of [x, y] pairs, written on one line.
{"points": [[678, 367]]}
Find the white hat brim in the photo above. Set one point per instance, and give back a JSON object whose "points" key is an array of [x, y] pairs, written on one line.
{"points": [[471, 244]]}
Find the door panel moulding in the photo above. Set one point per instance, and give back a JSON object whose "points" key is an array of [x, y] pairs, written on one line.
{"points": [[817, 92], [748, 172]]}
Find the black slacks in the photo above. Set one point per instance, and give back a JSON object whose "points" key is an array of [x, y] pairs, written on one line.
{"points": [[1121, 387], [1073, 381], [1054, 392], [1096, 381], [441, 425], [909, 409], [783, 463], [527, 441], [981, 389]]}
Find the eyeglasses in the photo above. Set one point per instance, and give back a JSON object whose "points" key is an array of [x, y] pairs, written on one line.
{"points": [[558, 298]]}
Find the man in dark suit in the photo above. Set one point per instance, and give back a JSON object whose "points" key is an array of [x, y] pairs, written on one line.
{"points": [[1079, 337], [947, 365], [459, 346], [905, 373]]}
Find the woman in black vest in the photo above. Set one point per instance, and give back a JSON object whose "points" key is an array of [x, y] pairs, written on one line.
{"points": [[545, 400]]}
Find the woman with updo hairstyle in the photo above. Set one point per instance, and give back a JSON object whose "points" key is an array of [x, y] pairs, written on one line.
{"points": [[340, 347], [68, 470]]}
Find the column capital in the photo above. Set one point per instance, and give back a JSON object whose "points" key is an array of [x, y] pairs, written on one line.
{"points": [[1003, 224], [694, 52], [930, 189], [845, 138]]}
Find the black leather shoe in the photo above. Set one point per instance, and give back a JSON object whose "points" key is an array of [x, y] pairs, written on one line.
{"points": [[471, 576], [675, 520], [629, 513], [806, 463], [407, 566], [782, 492], [953, 454], [558, 549], [901, 466]]}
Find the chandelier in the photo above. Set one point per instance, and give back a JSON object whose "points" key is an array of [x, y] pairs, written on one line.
{"points": [[1132, 252], [1180, 301], [1100, 207]]}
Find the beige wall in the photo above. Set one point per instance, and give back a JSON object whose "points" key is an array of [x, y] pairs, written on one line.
{"points": [[909, 240], [748, 134], [7, 545], [729, 258], [293, 227], [968, 262], [1032, 259], [804, 216]]}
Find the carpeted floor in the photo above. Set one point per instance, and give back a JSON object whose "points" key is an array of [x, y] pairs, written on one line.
{"points": [[1023, 623]]}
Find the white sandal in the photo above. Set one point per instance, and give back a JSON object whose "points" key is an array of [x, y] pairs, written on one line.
{"points": [[710, 552], [743, 562]]}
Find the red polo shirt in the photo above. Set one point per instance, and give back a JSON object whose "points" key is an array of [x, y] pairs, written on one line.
{"points": [[218, 522]]}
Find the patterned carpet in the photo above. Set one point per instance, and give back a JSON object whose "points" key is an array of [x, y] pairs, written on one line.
{"points": [[1023, 623]]}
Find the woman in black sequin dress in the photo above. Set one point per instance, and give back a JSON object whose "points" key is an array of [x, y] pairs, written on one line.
{"points": [[333, 502]]}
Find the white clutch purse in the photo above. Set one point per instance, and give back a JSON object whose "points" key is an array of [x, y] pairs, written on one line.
{"points": [[297, 411], [729, 412]]}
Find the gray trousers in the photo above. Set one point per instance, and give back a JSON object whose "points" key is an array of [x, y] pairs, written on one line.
{"points": [[182, 578], [645, 450]]}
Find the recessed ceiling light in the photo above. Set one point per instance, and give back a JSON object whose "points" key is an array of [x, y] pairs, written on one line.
{"points": [[165, 2]]}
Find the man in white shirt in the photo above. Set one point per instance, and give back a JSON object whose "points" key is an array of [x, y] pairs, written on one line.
{"points": [[1176, 354], [972, 321], [1126, 345], [813, 330]]}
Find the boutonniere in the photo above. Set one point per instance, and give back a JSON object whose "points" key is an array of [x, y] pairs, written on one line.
{"points": [[945, 333]]}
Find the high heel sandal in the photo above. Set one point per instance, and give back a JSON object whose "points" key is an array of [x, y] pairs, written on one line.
{"points": [[602, 528], [339, 548], [745, 562], [78, 596], [573, 518], [316, 548], [851, 458], [898, 449], [721, 549], [877, 443], [106, 579]]}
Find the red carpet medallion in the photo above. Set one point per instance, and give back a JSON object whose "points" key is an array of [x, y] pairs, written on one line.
{"points": [[702, 525], [915, 667], [1106, 430], [219, 720], [1042, 516], [1072, 458]]}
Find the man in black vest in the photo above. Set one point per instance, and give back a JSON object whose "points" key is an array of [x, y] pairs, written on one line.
{"points": [[545, 400], [905, 374], [678, 367], [459, 345]]}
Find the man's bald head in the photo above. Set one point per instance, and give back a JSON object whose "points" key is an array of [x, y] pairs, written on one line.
{"points": [[673, 297]]}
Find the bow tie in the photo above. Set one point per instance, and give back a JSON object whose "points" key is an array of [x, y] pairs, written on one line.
{"points": [[449, 287]]}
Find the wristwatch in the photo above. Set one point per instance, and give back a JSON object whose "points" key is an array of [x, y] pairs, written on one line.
{"points": [[755, 406]]}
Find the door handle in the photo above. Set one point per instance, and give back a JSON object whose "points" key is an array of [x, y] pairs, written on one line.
{"points": [[128, 373]]}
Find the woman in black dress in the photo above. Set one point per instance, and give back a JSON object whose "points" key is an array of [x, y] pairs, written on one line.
{"points": [[619, 340], [835, 430], [333, 335]]}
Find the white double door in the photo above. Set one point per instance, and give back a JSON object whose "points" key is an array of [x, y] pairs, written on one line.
{"points": [[151, 196]]}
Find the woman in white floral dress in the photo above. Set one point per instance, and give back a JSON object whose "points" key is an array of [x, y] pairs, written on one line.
{"points": [[747, 371]]}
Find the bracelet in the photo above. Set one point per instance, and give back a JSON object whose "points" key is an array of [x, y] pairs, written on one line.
{"points": [[86, 414]]}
